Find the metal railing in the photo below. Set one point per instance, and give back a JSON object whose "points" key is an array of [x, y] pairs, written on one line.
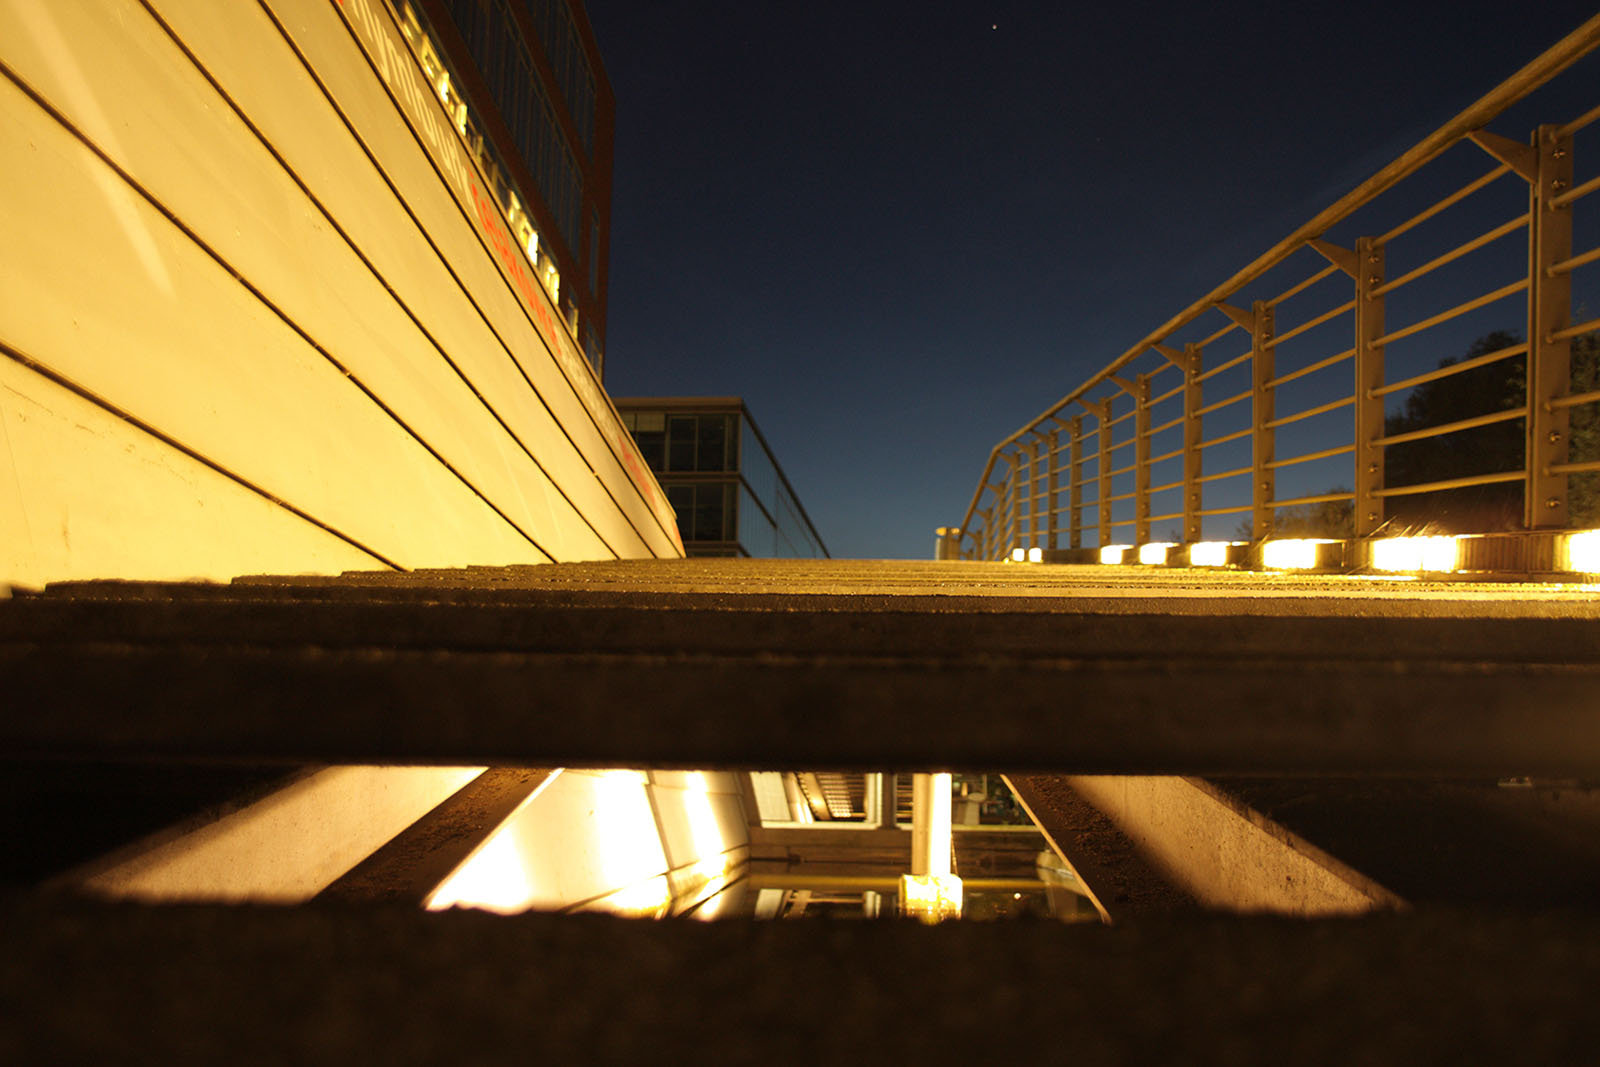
{"points": [[1136, 433]]}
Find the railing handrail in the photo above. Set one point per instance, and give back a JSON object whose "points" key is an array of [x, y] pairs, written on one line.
{"points": [[1547, 65]]}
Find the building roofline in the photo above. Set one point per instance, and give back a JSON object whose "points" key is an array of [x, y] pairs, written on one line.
{"points": [[717, 405]]}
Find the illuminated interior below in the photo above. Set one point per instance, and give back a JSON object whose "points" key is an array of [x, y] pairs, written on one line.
{"points": [[1113, 553], [628, 842]]}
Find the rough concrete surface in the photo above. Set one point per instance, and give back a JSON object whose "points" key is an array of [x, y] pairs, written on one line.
{"points": [[325, 985]]}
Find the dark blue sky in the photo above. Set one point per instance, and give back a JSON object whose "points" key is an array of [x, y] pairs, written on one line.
{"points": [[900, 230]]}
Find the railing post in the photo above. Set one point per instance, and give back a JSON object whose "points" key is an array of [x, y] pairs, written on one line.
{"points": [[1192, 390], [1549, 311], [1262, 438], [1028, 505], [1052, 485], [1075, 485], [1141, 459], [1010, 541], [1369, 371]]}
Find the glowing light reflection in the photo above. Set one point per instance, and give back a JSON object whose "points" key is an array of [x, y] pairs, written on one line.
{"points": [[1035, 555], [1294, 554], [1113, 553], [1416, 554], [1155, 553], [1209, 554], [1583, 552]]}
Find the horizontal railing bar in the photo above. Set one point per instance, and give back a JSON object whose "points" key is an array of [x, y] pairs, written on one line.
{"points": [[1122, 444], [1225, 474], [1455, 368], [1579, 123], [1165, 518], [1452, 483], [1174, 454], [1214, 371], [1310, 456], [1122, 470], [1454, 198], [1167, 488], [1224, 439], [1573, 331], [1566, 266], [1460, 309], [1165, 426], [1120, 418], [1518, 223], [1311, 324], [1303, 286], [1574, 400], [1577, 192], [1115, 499], [1324, 498], [1574, 468], [1220, 334], [1209, 408], [1312, 369], [1223, 511], [1311, 412], [1169, 394], [1563, 54], [1453, 427]]}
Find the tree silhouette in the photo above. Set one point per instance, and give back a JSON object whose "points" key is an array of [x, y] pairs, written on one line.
{"points": [[1491, 449]]}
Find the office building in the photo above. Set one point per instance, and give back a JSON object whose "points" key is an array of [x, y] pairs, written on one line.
{"points": [[531, 72], [727, 489]]}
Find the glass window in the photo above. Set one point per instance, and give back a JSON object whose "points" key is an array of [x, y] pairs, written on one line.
{"points": [[713, 437], [680, 442]]}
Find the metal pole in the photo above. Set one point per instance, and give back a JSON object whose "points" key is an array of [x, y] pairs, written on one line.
{"points": [[1052, 486], [1103, 480], [1369, 372], [1193, 389], [1141, 460], [1262, 437], [1028, 500], [930, 824], [1075, 490], [1549, 310]]}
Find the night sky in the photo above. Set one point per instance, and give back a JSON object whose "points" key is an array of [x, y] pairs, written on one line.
{"points": [[901, 230]]}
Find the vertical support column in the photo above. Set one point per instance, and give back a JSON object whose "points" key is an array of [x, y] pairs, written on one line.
{"points": [[1263, 484], [1028, 493], [1192, 392], [1075, 486], [1052, 513], [1008, 536], [1104, 440], [1369, 371], [1141, 460], [1549, 311], [930, 824]]}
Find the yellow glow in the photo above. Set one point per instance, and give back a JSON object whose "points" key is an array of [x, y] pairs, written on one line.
{"points": [[1019, 555], [496, 879], [1155, 553], [1209, 554], [1583, 552], [1415, 554], [1113, 553], [1035, 555], [1292, 554], [931, 898]]}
